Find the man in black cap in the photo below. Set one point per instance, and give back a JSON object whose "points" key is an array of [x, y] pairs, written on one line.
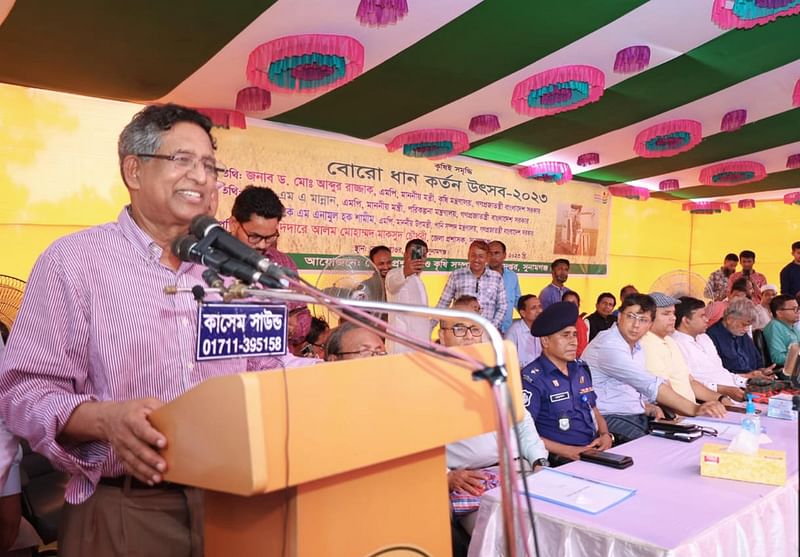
{"points": [[558, 390]]}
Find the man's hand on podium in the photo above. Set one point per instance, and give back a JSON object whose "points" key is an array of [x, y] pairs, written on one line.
{"points": [[134, 439]]}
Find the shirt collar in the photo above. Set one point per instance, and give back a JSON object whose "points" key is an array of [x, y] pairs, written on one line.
{"points": [[143, 243], [615, 331], [681, 334]]}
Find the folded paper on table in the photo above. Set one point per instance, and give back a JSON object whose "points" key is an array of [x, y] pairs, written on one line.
{"points": [[575, 492]]}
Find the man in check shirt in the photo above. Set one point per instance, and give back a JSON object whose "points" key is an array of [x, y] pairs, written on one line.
{"points": [[98, 346], [479, 281]]}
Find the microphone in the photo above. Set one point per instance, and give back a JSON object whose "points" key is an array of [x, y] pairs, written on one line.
{"points": [[187, 249], [204, 226], [212, 279]]}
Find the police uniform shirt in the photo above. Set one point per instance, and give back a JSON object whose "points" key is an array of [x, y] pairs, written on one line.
{"points": [[561, 406]]}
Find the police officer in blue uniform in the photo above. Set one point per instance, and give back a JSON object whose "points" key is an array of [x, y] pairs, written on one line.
{"points": [[558, 389]]}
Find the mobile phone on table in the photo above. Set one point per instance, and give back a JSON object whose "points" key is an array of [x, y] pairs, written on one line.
{"points": [[607, 459]]}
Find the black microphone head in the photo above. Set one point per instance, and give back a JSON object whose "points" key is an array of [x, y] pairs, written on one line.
{"points": [[201, 225], [182, 247]]}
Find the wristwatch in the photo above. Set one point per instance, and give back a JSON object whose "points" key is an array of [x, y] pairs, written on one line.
{"points": [[613, 439], [541, 462]]}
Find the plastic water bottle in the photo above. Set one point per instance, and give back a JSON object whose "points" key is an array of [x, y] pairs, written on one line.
{"points": [[751, 422]]}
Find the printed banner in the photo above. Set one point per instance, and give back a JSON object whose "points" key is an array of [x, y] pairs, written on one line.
{"points": [[345, 197]]}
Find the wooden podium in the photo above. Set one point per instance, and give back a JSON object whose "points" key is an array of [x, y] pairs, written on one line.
{"points": [[336, 459]]}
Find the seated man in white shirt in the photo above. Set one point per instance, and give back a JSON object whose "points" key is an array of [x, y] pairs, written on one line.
{"points": [[467, 458], [699, 351], [528, 346]]}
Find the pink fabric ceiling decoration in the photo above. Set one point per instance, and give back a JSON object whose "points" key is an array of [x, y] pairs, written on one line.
{"points": [[253, 99], [732, 173], [670, 184], [558, 90], [792, 198], [796, 94], [744, 14], [588, 159], [305, 63], [630, 192], [224, 118], [431, 143], [547, 171], [793, 161], [706, 207], [747, 204], [668, 138], [380, 13], [632, 59], [733, 120], [484, 123]]}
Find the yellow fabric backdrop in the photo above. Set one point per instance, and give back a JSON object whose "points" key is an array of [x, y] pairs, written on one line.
{"points": [[58, 174]]}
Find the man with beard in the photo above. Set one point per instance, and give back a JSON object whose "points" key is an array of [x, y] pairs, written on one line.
{"points": [[755, 280], [554, 292], [736, 349], [717, 287]]}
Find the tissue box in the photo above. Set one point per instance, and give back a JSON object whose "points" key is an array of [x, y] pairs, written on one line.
{"points": [[780, 406], [766, 467]]}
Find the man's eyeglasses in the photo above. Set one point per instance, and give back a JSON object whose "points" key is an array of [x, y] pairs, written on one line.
{"points": [[256, 238], [364, 352], [189, 162], [643, 319], [461, 330], [794, 309]]}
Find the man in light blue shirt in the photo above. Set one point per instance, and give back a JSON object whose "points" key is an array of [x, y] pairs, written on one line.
{"points": [[780, 332], [528, 346], [626, 391], [497, 257], [554, 292]]}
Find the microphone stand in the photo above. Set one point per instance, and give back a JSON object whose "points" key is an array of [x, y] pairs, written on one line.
{"points": [[496, 376]]}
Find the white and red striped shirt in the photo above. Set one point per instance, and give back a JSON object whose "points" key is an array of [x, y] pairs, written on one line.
{"points": [[95, 325]]}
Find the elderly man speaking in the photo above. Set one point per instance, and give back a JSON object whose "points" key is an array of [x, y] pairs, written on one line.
{"points": [[97, 346]]}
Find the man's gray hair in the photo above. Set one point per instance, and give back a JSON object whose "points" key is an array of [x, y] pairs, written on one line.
{"points": [[333, 346], [741, 308], [143, 133]]}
